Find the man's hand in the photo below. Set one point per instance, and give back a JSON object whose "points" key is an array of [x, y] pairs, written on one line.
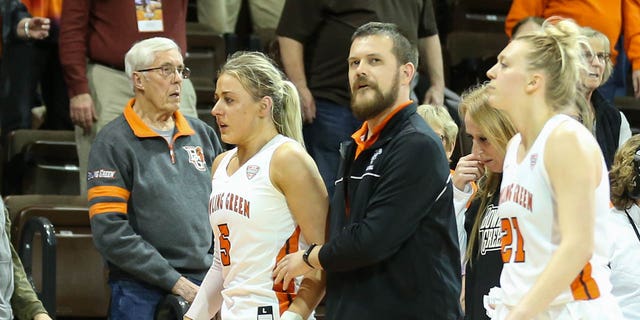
{"points": [[308, 105], [635, 76], [185, 289], [434, 96], [290, 267], [37, 28], [82, 112]]}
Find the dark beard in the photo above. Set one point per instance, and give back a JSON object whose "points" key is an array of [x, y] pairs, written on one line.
{"points": [[369, 109]]}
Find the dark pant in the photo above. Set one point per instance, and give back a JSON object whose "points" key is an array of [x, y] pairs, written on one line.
{"points": [[133, 300], [29, 66], [333, 124]]}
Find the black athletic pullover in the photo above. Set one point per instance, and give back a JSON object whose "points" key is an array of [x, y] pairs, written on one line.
{"points": [[393, 246]]}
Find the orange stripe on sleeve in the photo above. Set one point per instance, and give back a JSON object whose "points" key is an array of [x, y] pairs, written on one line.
{"points": [[285, 298], [105, 207], [584, 287], [109, 191]]}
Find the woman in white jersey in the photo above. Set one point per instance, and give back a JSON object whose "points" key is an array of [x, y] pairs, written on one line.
{"points": [[267, 199], [555, 192]]}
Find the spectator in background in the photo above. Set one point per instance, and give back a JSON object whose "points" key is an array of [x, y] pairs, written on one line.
{"points": [[611, 17], [631, 31], [314, 45], [94, 37], [624, 223], [610, 126], [222, 16], [149, 179], [13, 281], [392, 251], [45, 70], [285, 200], [18, 28], [440, 121], [490, 130]]}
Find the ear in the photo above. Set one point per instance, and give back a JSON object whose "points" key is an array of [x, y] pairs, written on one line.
{"points": [[137, 81], [535, 82], [265, 104], [407, 72]]}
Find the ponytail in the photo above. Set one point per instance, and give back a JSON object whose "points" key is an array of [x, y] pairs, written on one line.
{"points": [[290, 123]]}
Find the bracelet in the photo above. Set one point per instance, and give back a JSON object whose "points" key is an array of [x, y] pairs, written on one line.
{"points": [[26, 29], [305, 256]]}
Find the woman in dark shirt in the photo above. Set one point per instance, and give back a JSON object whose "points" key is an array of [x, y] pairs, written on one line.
{"points": [[490, 131]]}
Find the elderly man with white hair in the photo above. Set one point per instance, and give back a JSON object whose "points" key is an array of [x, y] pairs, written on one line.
{"points": [[149, 179]]}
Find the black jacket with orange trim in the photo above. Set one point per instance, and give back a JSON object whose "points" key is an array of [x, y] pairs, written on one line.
{"points": [[149, 199], [394, 253]]}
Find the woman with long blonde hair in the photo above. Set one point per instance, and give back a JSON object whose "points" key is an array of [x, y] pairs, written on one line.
{"points": [[490, 131]]}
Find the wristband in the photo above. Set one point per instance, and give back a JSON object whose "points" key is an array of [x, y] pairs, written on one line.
{"points": [[305, 256], [26, 28], [288, 315]]}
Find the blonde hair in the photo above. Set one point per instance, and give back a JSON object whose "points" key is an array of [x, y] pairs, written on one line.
{"points": [[438, 117], [556, 50], [622, 174], [498, 129], [261, 78]]}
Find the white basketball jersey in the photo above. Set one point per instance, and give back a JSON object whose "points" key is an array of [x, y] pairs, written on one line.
{"points": [[530, 231], [253, 228]]}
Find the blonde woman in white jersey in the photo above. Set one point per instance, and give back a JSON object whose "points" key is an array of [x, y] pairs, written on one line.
{"points": [[268, 198], [555, 190]]}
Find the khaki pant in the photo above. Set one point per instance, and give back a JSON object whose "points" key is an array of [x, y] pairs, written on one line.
{"points": [[222, 15], [110, 90]]}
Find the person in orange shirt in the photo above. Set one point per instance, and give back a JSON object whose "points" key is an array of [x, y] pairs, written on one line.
{"points": [[610, 17]]}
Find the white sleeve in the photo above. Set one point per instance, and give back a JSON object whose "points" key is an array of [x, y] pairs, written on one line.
{"points": [[209, 299], [625, 130], [460, 200]]}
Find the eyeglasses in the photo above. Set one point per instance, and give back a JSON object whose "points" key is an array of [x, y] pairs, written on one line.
{"points": [[602, 56], [168, 70]]}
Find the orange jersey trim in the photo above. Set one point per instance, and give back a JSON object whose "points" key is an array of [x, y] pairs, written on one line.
{"points": [[584, 287], [285, 297], [107, 207], [360, 136], [108, 191]]}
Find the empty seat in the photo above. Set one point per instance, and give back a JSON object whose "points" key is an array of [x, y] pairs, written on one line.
{"points": [[41, 162], [80, 279], [630, 106], [484, 15], [469, 61], [205, 55]]}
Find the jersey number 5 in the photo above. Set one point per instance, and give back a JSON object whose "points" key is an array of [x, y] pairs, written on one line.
{"points": [[225, 244], [509, 227]]}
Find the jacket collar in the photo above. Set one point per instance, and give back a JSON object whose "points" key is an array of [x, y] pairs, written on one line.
{"points": [[141, 130]]}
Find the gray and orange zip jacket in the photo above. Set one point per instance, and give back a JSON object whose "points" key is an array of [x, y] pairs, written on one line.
{"points": [[148, 199]]}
